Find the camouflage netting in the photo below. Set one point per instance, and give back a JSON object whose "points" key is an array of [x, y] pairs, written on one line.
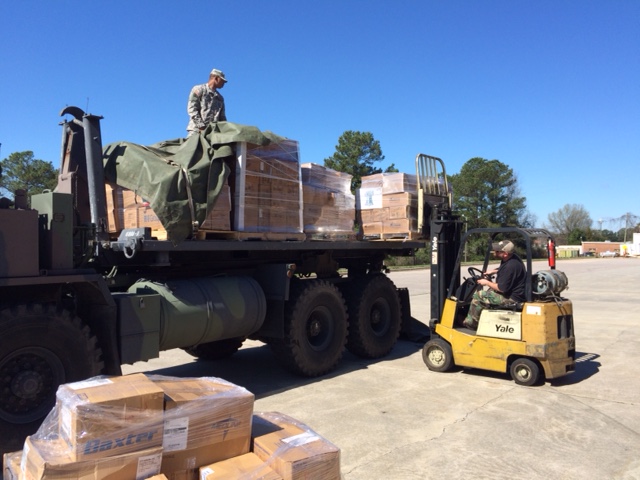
{"points": [[182, 178]]}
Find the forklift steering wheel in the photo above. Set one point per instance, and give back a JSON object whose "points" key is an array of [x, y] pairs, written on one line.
{"points": [[476, 273]]}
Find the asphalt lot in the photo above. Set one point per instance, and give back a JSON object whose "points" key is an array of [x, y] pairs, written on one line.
{"points": [[394, 419]]}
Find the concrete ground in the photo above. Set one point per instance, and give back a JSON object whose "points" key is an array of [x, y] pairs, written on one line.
{"points": [[394, 419]]}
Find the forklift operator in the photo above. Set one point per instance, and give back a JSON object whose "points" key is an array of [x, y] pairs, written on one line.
{"points": [[508, 286]]}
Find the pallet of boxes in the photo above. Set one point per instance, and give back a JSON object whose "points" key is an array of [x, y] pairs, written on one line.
{"points": [[387, 206], [156, 427], [262, 199]]}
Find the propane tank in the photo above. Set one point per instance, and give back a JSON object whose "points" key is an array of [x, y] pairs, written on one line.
{"points": [[549, 282], [203, 310]]}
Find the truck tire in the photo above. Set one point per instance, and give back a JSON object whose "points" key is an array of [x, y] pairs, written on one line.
{"points": [[374, 316], [315, 329], [216, 350], [41, 348]]}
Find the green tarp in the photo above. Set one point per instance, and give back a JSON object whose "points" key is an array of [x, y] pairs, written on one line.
{"points": [[182, 178]]}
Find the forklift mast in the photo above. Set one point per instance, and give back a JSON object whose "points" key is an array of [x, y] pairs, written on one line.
{"points": [[437, 223]]}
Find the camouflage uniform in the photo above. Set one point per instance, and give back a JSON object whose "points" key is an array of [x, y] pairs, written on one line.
{"points": [[481, 300], [205, 105]]}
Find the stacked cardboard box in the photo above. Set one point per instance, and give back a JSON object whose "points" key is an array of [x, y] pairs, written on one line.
{"points": [[388, 205], [268, 194], [293, 449], [206, 420], [138, 427], [125, 209], [329, 205]]}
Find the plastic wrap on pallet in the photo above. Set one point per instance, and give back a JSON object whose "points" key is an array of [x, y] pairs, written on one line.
{"points": [[11, 464], [244, 467], [329, 205], [326, 178], [268, 194], [293, 449], [50, 459]]}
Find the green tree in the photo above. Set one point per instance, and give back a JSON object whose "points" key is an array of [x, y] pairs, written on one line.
{"points": [[569, 218], [21, 170], [486, 193], [355, 154]]}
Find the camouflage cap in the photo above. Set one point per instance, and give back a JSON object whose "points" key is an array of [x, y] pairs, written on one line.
{"points": [[503, 246], [218, 73]]}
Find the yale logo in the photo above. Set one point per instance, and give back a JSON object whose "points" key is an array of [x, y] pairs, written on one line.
{"points": [[101, 445]]}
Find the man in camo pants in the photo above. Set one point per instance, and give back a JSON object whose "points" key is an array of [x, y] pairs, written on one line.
{"points": [[205, 103], [507, 288]]}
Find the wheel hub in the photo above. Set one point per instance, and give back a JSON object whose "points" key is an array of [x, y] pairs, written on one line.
{"points": [[436, 356]]}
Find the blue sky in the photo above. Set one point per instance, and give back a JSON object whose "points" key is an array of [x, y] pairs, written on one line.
{"points": [[550, 88]]}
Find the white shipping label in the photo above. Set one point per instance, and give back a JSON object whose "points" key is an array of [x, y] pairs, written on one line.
{"points": [[176, 431], [148, 466]]}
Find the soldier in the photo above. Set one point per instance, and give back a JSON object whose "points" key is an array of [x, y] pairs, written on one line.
{"points": [[508, 287], [205, 104]]}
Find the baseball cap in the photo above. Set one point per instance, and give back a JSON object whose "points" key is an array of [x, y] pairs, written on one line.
{"points": [[503, 246], [218, 73]]}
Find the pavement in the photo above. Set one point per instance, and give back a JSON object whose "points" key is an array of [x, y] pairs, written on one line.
{"points": [[394, 419]]}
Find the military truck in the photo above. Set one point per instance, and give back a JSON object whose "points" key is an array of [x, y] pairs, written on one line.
{"points": [[76, 302]]}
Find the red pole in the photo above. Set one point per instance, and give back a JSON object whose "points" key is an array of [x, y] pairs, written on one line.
{"points": [[551, 251]]}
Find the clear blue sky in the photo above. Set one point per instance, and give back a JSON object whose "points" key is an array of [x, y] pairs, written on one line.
{"points": [[550, 88]]}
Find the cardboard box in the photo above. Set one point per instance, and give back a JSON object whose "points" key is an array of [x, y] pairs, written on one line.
{"points": [[219, 218], [396, 182], [106, 416], [160, 476], [264, 174], [11, 464], [326, 178], [51, 459], [400, 199], [292, 449], [400, 225], [248, 466], [205, 411], [185, 464]]}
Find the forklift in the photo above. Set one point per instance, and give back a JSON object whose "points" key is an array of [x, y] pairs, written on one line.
{"points": [[531, 340]]}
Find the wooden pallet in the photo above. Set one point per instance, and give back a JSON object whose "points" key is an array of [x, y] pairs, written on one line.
{"points": [[331, 236], [395, 236], [249, 236]]}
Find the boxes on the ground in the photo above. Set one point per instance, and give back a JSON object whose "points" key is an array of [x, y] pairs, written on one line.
{"points": [[248, 466], [292, 449], [387, 205], [268, 193], [206, 420], [11, 463], [106, 416], [329, 205], [51, 459], [203, 411]]}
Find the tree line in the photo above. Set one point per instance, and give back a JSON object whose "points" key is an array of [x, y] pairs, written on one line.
{"points": [[486, 192]]}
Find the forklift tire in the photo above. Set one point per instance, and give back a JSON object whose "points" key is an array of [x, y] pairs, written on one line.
{"points": [[525, 372], [437, 355]]}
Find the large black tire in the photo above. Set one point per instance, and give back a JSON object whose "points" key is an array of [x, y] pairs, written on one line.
{"points": [[216, 350], [41, 348], [315, 329], [525, 371], [437, 355], [375, 316]]}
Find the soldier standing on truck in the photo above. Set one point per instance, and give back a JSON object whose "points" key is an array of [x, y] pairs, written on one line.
{"points": [[205, 103]]}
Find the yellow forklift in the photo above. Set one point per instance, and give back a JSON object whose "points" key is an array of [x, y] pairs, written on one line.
{"points": [[531, 340]]}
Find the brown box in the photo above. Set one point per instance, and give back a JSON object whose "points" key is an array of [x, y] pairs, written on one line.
{"points": [[397, 182], [263, 175], [106, 416], [326, 178], [205, 411], [400, 199], [185, 464], [219, 218], [51, 460], [160, 476], [11, 464], [248, 466], [400, 225], [405, 211], [292, 449], [372, 228]]}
